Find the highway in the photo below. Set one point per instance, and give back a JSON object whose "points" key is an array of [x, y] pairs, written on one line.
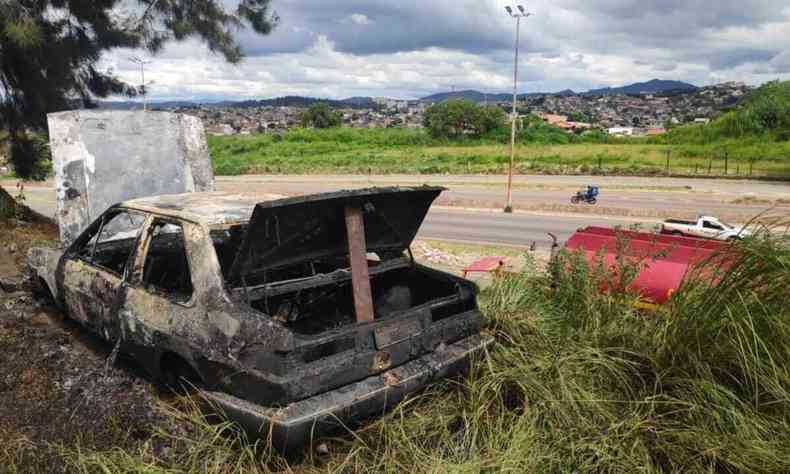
{"points": [[470, 210], [519, 229]]}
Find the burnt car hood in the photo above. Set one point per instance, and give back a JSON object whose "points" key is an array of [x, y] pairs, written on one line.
{"points": [[305, 228]]}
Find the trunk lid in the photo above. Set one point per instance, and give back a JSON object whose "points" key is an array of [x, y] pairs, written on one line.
{"points": [[305, 228]]}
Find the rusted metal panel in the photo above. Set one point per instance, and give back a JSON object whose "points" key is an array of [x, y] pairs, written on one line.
{"points": [[101, 158], [663, 260], [357, 252]]}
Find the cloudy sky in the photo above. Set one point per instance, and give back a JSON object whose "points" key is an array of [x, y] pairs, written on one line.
{"points": [[412, 48]]}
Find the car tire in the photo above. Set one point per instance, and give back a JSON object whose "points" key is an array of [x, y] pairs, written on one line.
{"points": [[42, 293]]}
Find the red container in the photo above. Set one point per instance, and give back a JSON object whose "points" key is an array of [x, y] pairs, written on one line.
{"points": [[664, 260]]}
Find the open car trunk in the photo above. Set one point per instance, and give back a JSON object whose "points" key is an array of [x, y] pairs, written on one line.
{"points": [[287, 233], [316, 307], [293, 262]]}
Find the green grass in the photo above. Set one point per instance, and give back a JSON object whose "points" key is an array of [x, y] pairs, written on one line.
{"points": [[389, 151], [579, 381], [753, 139], [762, 116]]}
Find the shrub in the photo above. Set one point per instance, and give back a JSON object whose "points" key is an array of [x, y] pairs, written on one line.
{"points": [[29, 157], [321, 115], [458, 117]]}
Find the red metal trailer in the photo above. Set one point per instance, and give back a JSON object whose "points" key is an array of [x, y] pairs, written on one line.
{"points": [[664, 260]]}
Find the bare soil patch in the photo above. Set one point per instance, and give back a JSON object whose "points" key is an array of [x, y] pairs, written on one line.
{"points": [[58, 390]]}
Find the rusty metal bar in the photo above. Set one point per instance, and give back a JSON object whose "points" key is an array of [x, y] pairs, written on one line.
{"points": [[357, 252]]}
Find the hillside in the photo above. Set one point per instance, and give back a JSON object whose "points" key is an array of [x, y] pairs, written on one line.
{"points": [[649, 87], [653, 86], [286, 101], [763, 114]]}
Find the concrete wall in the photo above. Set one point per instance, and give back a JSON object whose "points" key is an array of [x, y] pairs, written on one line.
{"points": [[103, 157]]}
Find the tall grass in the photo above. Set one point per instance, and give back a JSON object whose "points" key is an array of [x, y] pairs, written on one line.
{"points": [[580, 381], [542, 149]]}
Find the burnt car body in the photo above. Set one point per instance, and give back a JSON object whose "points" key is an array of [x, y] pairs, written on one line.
{"points": [[253, 298]]}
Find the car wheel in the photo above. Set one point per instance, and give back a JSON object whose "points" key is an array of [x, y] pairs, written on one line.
{"points": [[42, 293]]}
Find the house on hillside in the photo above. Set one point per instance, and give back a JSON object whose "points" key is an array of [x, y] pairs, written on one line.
{"points": [[621, 131], [553, 119]]}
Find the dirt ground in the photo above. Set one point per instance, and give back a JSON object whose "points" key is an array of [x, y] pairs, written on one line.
{"points": [[58, 390]]}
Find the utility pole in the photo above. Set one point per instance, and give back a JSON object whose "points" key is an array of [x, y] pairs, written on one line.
{"points": [[518, 15], [142, 63]]}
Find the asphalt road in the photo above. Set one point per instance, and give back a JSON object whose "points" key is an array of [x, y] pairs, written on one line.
{"points": [[541, 201], [520, 229], [622, 196]]}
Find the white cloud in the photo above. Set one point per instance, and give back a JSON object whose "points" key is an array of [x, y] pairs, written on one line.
{"points": [[412, 48], [360, 19]]}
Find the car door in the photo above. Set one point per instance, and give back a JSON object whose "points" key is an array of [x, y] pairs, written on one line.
{"points": [[711, 229], [160, 313], [96, 267]]}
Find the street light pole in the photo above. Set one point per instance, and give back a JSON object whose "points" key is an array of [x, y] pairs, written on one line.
{"points": [[521, 13], [142, 63]]}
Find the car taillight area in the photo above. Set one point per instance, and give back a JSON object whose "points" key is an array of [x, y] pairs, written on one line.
{"points": [[417, 310]]}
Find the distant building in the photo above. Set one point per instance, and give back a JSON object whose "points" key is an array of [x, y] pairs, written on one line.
{"points": [[553, 119], [621, 131]]}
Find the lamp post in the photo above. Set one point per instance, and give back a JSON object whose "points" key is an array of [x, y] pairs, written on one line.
{"points": [[143, 91], [518, 15]]}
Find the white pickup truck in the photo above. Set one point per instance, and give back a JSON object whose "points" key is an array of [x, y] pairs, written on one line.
{"points": [[705, 227]]}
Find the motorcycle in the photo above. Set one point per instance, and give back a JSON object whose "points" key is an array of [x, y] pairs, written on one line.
{"points": [[589, 196]]}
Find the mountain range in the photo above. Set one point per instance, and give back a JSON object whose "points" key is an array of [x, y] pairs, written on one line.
{"points": [[649, 87]]}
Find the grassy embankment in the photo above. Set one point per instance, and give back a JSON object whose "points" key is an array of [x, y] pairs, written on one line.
{"points": [[578, 382], [414, 152], [753, 140]]}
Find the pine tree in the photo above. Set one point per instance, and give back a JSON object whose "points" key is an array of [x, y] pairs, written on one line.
{"points": [[49, 53]]}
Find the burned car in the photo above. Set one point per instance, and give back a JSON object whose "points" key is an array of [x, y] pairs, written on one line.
{"points": [[293, 315]]}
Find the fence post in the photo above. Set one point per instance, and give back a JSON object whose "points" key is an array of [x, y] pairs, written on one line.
{"points": [[668, 152], [738, 168], [710, 164], [726, 162], [696, 168], [600, 159], [751, 166]]}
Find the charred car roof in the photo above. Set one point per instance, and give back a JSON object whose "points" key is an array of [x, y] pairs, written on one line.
{"points": [[223, 208], [209, 208]]}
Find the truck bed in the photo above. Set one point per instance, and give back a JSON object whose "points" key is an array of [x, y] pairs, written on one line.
{"points": [[681, 222]]}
